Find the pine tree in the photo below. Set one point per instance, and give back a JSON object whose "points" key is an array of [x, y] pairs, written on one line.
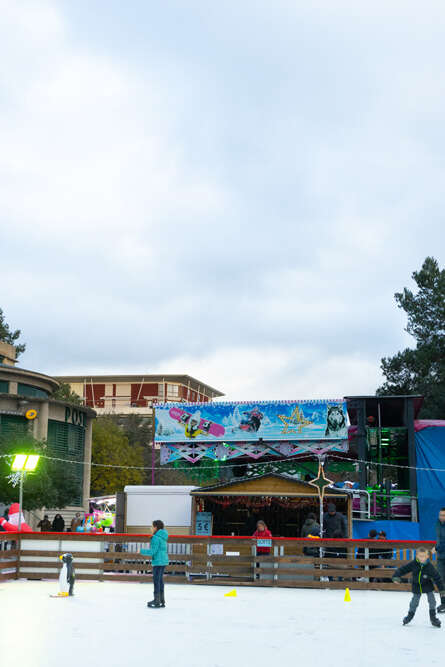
{"points": [[421, 370], [8, 336]]}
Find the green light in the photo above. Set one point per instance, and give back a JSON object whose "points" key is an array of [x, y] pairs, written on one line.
{"points": [[19, 462], [25, 462], [31, 463]]}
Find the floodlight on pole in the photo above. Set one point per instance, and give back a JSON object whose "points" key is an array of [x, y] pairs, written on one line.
{"points": [[24, 463], [19, 462]]}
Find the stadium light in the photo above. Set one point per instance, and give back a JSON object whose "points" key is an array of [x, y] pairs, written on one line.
{"points": [[24, 463]]}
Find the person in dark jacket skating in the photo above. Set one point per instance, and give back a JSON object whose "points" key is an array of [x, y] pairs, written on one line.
{"points": [[333, 522], [424, 576], [440, 550]]}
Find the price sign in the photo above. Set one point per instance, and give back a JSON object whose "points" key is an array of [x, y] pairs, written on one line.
{"points": [[203, 523], [264, 543]]}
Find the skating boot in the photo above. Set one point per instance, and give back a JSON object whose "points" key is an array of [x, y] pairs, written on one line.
{"points": [[162, 600], [441, 607], [434, 620], [408, 618], [154, 604]]}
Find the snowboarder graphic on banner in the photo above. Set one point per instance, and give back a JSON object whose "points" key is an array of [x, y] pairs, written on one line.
{"points": [[192, 429], [252, 421]]}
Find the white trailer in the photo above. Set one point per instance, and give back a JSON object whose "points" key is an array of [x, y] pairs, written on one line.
{"points": [[171, 504]]}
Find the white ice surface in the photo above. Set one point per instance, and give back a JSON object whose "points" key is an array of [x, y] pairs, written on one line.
{"points": [[109, 625]]}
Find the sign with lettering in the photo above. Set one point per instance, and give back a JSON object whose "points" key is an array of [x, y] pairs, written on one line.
{"points": [[75, 416], [264, 543], [203, 523]]}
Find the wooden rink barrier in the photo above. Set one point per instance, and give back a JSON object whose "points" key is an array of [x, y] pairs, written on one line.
{"points": [[365, 564]]}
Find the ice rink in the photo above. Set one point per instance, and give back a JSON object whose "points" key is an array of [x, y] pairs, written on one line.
{"points": [[109, 624]]}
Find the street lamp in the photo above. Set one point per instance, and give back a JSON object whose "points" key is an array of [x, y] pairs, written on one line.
{"points": [[23, 463]]}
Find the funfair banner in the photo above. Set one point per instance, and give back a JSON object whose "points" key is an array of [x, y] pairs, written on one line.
{"points": [[234, 422]]}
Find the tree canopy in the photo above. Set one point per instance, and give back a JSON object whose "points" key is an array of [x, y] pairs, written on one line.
{"points": [[11, 337], [64, 393], [111, 447], [421, 369]]}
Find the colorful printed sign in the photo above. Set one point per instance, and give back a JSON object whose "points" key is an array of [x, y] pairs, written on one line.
{"points": [[235, 422]]}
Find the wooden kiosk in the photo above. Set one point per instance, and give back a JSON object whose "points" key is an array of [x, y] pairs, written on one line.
{"points": [[280, 500]]}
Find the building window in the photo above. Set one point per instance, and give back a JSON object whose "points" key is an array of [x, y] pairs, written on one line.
{"points": [[68, 441], [12, 426], [4, 387], [172, 390], [30, 391]]}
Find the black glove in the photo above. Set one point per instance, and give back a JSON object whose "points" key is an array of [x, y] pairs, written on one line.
{"points": [[397, 580]]}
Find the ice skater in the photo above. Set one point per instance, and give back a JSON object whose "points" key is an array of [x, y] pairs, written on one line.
{"points": [[159, 560], [424, 576]]}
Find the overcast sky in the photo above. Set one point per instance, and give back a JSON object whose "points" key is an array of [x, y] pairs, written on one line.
{"points": [[232, 190]]}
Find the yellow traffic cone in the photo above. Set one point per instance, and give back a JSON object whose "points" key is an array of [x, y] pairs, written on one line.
{"points": [[347, 595], [232, 594]]}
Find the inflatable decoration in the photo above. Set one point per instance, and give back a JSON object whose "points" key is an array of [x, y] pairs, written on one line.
{"points": [[12, 526], [97, 522], [67, 577]]}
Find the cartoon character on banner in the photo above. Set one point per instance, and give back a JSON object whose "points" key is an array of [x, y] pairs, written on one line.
{"points": [[12, 526]]}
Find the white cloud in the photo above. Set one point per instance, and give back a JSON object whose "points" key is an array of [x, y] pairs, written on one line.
{"points": [[234, 194]]}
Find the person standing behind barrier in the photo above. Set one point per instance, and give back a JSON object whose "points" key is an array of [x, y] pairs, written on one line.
{"points": [[44, 524], [262, 533], [310, 527], [333, 522], [76, 522], [58, 524], [440, 550], [384, 554], [159, 560]]}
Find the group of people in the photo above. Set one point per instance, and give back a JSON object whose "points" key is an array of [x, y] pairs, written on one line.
{"points": [[335, 525], [57, 525], [425, 576]]}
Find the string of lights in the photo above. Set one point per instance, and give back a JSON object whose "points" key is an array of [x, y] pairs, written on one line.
{"points": [[233, 465]]}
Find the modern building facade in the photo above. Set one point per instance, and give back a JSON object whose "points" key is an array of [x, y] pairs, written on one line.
{"points": [[137, 394], [66, 429]]}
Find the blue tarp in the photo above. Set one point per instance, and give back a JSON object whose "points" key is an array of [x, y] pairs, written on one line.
{"points": [[395, 530], [430, 450]]}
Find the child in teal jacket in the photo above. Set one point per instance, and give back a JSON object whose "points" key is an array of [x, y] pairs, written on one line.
{"points": [[159, 559]]}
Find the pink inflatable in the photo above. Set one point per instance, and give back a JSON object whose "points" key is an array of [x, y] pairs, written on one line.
{"points": [[12, 526]]}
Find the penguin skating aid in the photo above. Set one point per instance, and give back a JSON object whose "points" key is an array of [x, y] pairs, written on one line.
{"points": [[67, 577]]}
